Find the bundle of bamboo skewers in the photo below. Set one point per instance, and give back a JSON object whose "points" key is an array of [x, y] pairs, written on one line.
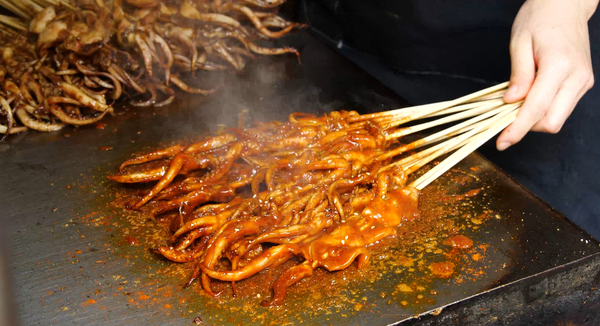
{"points": [[485, 114]]}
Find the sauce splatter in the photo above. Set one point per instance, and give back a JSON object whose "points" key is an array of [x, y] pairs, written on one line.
{"points": [[470, 193], [460, 241], [443, 269], [131, 240]]}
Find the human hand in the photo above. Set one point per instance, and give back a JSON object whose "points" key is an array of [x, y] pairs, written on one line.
{"points": [[551, 65]]}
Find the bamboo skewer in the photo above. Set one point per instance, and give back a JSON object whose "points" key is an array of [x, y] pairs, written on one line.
{"points": [[30, 7], [410, 114], [55, 3], [428, 109], [423, 155], [441, 135], [455, 117], [398, 112], [14, 9], [462, 127], [473, 144], [451, 144], [13, 22], [423, 161], [485, 110], [454, 109], [469, 104], [492, 96], [447, 146]]}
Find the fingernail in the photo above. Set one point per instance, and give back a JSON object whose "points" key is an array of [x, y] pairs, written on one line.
{"points": [[503, 145]]}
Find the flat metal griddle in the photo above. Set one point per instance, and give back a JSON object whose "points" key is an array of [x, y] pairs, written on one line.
{"points": [[69, 268]]}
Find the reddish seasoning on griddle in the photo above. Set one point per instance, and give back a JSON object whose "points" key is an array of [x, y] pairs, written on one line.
{"points": [[470, 193], [106, 148], [131, 240], [443, 269], [100, 125], [460, 241], [473, 192]]}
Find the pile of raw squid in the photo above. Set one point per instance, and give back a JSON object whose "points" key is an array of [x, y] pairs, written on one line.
{"points": [[64, 62]]}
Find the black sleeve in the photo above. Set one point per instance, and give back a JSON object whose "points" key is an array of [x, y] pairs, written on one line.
{"points": [[454, 37]]}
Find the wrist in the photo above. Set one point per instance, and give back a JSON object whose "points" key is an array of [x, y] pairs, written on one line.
{"points": [[589, 7]]}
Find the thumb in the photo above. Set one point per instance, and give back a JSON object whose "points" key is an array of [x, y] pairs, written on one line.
{"points": [[522, 69]]}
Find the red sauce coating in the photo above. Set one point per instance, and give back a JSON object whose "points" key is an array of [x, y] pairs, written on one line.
{"points": [[338, 249]]}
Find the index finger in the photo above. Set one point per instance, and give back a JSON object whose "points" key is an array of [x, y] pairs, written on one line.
{"points": [[538, 100]]}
